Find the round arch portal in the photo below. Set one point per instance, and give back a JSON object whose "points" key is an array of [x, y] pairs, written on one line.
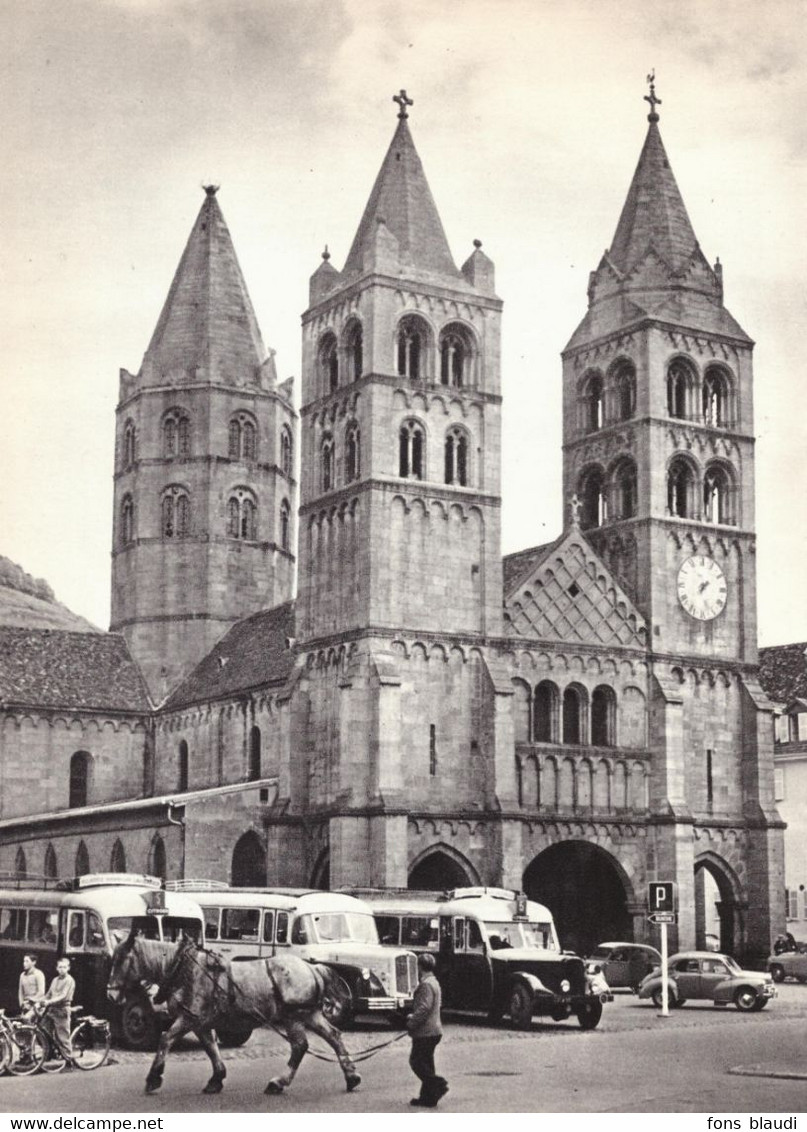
{"points": [[249, 861], [586, 892], [717, 906], [439, 869]]}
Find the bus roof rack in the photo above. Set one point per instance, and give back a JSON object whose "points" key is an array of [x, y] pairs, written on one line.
{"points": [[14, 880]]}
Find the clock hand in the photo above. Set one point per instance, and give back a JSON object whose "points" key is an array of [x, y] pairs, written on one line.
{"points": [[703, 586]]}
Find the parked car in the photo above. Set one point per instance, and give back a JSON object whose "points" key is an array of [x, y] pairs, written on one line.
{"points": [[707, 974], [623, 964], [788, 965]]}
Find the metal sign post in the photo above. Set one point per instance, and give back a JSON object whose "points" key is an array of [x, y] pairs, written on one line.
{"points": [[661, 898]]}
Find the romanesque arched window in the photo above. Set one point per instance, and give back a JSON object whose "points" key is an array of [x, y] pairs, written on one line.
{"points": [[117, 858], [603, 716], [354, 349], [718, 495], [183, 764], [412, 345], [80, 765], [455, 355], [82, 865], [51, 864], [680, 389], [328, 361], [254, 754], [624, 385], [624, 494], [545, 713], [456, 457], [242, 437], [285, 525], [574, 730], [157, 864], [591, 491], [716, 397], [593, 403], [20, 863], [127, 520], [175, 510], [411, 451], [327, 463], [285, 451], [681, 489], [129, 444], [352, 453], [176, 434], [242, 515]]}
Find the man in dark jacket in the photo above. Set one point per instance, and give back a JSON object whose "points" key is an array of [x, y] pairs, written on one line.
{"points": [[426, 1031]]}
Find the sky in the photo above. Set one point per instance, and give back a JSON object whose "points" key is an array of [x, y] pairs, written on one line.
{"points": [[529, 118]]}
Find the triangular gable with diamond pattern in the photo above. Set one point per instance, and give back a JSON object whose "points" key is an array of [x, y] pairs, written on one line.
{"points": [[570, 596]]}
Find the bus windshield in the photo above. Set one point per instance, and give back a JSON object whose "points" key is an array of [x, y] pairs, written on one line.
{"points": [[502, 935], [335, 927], [173, 928]]}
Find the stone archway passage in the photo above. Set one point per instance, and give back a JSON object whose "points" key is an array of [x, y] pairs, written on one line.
{"points": [[581, 885], [249, 862], [437, 872], [716, 909]]}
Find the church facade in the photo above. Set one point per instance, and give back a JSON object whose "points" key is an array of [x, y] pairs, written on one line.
{"points": [[575, 720]]}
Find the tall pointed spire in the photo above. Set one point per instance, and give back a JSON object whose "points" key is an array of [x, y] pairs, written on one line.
{"points": [[207, 329], [401, 202]]}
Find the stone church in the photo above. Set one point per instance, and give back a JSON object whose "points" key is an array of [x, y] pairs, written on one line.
{"points": [[575, 720]]}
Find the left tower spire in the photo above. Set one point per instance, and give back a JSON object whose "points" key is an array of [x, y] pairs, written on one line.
{"points": [[204, 491]]}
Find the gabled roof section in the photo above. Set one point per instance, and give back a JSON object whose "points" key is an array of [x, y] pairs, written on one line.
{"points": [[565, 593], [401, 202], [654, 214], [253, 652], [207, 329], [783, 672], [46, 668]]}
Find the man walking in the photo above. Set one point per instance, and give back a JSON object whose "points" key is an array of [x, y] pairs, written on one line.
{"points": [[58, 1001], [426, 1031]]}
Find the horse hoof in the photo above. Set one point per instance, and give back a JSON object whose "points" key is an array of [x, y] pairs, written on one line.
{"points": [[273, 1087], [353, 1082], [152, 1086], [212, 1087]]}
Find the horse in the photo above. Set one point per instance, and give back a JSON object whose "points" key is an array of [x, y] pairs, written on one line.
{"points": [[202, 989]]}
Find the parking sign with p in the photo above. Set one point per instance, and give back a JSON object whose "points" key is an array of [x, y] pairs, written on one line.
{"points": [[661, 896]]}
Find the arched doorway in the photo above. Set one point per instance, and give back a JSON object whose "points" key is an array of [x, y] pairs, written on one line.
{"points": [[321, 876], [717, 907], [440, 869], [249, 862], [584, 889]]}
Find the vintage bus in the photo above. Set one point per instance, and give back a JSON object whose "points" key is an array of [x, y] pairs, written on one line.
{"points": [[329, 927], [496, 951], [85, 919]]}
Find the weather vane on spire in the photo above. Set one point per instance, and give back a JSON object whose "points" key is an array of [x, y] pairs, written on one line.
{"points": [[651, 98], [403, 102]]}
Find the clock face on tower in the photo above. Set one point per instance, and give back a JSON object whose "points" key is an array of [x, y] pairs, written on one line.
{"points": [[702, 587]]}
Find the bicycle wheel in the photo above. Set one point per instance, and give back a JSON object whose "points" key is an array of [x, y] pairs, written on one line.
{"points": [[28, 1050], [5, 1053], [90, 1045]]}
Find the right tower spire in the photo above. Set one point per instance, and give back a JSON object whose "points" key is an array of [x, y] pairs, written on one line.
{"points": [[658, 440]]}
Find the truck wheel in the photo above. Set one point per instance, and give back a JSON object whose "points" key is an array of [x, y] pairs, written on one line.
{"points": [[520, 1009], [337, 1005], [589, 1016], [138, 1026], [777, 972]]}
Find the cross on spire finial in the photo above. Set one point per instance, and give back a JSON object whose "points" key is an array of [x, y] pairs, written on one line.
{"points": [[651, 98], [403, 102]]}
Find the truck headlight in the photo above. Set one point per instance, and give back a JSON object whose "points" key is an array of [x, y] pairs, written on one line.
{"points": [[565, 986], [365, 973]]}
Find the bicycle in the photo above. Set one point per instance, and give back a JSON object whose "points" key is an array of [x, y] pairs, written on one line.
{"points": [[26, 1047]]}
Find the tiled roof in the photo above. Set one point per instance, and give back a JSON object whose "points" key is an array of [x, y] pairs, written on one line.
{"points": [[783, 672], [514, 565], [57, 668], [252, 653]]}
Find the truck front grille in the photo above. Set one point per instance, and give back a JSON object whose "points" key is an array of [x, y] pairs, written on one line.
{"points": [[406, 974]]}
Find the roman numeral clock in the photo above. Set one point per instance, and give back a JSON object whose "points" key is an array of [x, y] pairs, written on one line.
{"points": [[702, 587]]}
